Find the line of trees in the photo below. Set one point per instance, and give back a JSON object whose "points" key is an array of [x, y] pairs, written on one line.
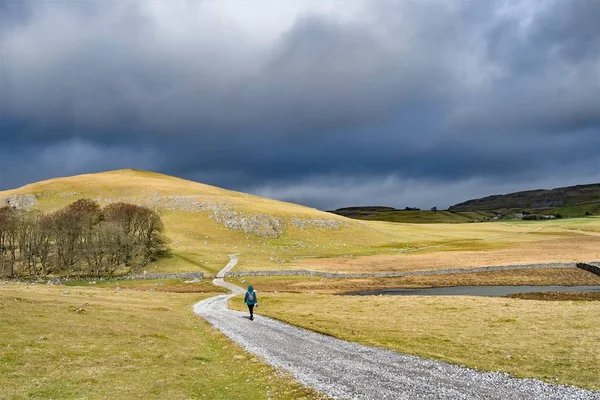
{"points": [[81, 238]]}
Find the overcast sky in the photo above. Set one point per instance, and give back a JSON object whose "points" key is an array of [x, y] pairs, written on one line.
{"points": [[323, 103]]}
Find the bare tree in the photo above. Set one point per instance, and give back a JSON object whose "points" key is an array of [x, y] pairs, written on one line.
{"points": [[80, 237], [70, 227], [123, 215], [8, 240], [142, 225], [102, 248], [26, 228], [42, 240]]}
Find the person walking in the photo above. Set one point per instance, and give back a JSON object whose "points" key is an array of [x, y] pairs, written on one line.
{"points": [[251, 300]]}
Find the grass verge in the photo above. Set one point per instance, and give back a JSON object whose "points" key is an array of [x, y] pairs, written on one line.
{"points": [[553, 341], [95, 343]]}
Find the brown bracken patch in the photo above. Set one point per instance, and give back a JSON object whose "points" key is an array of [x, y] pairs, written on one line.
{"points": [[557, 296]]}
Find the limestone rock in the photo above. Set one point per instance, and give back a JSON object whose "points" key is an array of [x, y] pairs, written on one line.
{"points": [[19, 201]]}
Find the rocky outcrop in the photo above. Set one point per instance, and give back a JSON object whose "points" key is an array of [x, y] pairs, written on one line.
{"points": [[19, 201], [269, 226], [225, 213], [256, 224], [171, 203], [331, 224]]}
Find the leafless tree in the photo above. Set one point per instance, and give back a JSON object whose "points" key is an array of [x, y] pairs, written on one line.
{"points": [[8, 240], [81, 237]]}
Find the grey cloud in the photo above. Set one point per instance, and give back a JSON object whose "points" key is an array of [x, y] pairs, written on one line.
{"points": [[424, 92], [20, 165]]}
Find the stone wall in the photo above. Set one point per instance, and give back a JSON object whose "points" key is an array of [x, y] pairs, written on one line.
{"points": [[93, 279], [302, 272]]}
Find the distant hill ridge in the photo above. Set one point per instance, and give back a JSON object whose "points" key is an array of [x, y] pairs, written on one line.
{"points": [[572, 201], [579, 195]]}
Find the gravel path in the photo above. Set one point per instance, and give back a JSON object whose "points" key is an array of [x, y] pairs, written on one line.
{"points": [[344, 370]]}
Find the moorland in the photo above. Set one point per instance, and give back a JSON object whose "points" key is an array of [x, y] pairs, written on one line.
{"points": [[97, 327]]}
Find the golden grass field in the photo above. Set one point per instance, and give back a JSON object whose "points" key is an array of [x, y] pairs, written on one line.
{"points": [[199, 243], [125, 345], [556, 341], [550, 244]]}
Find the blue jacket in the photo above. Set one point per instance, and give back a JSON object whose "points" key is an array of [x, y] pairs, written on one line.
{"points": [[250, 297]]}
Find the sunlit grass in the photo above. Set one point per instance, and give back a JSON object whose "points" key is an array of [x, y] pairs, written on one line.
{"points": [[75, 342], [553, 341]]}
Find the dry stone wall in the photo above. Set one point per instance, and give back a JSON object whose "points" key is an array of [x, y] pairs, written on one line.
{"points": [[322, 274]]}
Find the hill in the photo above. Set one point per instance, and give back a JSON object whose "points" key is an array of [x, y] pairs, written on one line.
{"points": [[205, 223], [567, 202], [572, 201], [411, 215]]}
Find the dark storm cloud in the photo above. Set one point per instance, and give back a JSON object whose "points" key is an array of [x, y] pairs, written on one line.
{"points": [[452, 99]]}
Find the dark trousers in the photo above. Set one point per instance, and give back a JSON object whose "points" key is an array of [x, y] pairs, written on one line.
{"points": [[251, 309]]}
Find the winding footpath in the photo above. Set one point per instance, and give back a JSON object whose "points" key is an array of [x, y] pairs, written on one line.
{"points": [[347, 370]]}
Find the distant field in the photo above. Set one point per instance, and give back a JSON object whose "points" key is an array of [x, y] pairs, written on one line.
{"points": [[484, 245], [76, 342], [566, 202], [421, 216], [556, 341]]}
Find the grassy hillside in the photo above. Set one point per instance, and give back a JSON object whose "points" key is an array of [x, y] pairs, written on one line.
{"points": [[204, 224], [572, 201]]}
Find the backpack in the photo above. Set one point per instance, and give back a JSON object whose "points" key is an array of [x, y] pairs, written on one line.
{"points": [[251, 296]]}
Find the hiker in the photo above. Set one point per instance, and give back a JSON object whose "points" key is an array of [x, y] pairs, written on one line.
{"points": [[251, 300]]}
